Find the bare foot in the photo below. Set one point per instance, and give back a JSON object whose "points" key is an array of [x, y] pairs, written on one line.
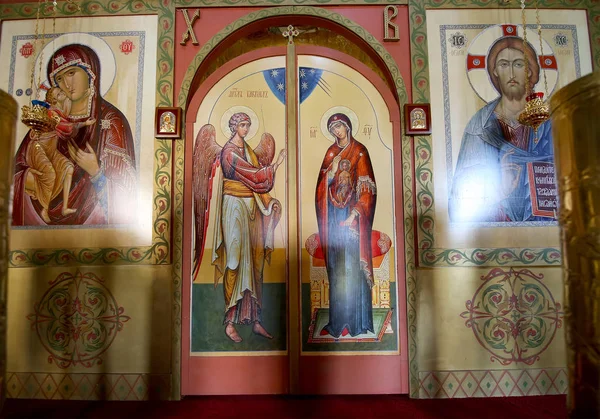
{"points": [[45, 216], [260, 330], [67, 211], [232, 333]]}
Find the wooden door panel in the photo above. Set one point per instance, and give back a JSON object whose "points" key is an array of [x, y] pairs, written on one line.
{"points": [[352, 338], [237, 300]]}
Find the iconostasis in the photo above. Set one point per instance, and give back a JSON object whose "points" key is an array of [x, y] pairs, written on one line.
{"points": [[224, 194]]}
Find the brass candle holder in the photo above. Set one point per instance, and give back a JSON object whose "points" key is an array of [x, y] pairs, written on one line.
{"points": [[8, 130], [536, 111], [575, 131], [37, 118]]}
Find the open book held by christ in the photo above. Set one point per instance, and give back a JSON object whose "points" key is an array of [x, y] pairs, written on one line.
{"points": [[543, 189]]}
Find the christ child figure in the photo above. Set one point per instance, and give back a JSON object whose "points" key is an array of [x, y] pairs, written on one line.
{"points": [[52, 170], [341, 189]]}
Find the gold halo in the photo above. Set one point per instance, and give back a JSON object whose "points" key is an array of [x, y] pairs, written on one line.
{"points": [[255, 124], [339, 109]]}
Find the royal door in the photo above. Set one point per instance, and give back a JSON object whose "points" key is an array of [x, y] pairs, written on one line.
{"points": [[293, 241]]}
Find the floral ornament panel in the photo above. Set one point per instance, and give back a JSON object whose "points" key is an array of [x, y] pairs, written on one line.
{"points": [[513, 315], [77, 319]]}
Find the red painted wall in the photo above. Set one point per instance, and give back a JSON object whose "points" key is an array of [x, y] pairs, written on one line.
{"points": [[330, 375], [213, 20]]}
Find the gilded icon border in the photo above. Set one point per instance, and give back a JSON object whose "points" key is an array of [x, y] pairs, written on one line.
{"points": [[425, 129], [176, 133]]}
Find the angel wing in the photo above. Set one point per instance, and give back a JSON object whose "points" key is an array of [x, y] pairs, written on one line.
{"points": [[205, 163], [265, 150]]}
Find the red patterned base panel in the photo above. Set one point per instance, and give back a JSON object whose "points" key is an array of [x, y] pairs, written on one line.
{"points": [[492, 383], [327, 338], [27, 385]]}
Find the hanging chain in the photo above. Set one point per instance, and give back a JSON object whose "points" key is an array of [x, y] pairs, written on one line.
{"points": [[527, 80], [35, 44], [55, 5], [39, 81], [539, 28]]}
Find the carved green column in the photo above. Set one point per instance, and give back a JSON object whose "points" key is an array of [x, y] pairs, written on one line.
{"points": [[576, 134], [8, 119]]}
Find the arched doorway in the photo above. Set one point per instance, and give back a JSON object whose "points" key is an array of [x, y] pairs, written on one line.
{"points": [[295, 321]]}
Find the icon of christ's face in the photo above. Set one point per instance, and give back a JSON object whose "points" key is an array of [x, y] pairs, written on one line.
{"points": [[510, 70]]}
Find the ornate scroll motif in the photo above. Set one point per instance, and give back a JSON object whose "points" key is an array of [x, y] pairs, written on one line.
{"points": [[513, 315], [77, 319], [490, 257]]}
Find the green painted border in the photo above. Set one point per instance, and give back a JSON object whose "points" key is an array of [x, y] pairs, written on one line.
{"points": [[412, 290], [406, 147], [429, 255], [86, 256], [159, 251], [492, 257]]}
